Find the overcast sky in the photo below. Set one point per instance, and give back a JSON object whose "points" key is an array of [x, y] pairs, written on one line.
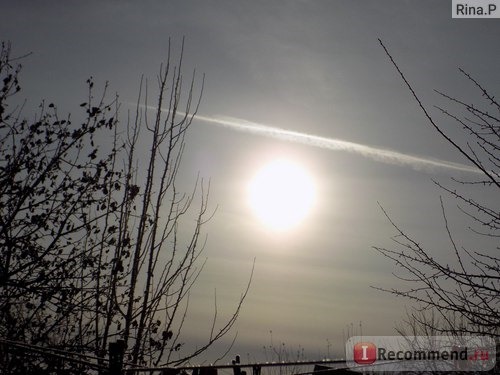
{"points": [[313, 69]]}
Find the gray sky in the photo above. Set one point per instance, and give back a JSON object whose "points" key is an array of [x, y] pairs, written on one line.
{"points": [[309, 67]]}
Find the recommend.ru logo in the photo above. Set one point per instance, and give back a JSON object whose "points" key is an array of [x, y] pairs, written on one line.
{"points": [[421, 353]]}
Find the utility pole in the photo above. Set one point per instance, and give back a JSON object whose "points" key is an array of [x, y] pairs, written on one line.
{"points": [[116, 352]]}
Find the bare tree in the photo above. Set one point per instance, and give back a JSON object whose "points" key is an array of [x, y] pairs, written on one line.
{"points": [[465, 292], [93, 227]]}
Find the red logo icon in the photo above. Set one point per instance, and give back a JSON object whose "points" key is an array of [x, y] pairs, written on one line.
{"points": [[365, 353]]}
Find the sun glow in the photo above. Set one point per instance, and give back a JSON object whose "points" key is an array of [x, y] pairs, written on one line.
{"points": [[281, 194]]}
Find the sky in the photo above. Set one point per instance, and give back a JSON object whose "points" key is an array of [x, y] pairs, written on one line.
{"points": [[304, 81]]}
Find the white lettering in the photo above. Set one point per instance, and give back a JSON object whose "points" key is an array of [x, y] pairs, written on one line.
{"points": [[365, 352]]}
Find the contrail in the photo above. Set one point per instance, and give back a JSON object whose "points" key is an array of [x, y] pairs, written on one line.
{"points": [[378, 154], [419, 163]]}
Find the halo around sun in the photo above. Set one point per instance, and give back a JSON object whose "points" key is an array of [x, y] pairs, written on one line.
{"points": [[281, 194]]}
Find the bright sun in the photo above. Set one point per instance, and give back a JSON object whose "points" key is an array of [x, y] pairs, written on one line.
{"points": [[281, 194]]}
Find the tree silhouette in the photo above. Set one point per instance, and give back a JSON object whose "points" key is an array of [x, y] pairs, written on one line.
{"points": [[461, 296], [92, 231]]}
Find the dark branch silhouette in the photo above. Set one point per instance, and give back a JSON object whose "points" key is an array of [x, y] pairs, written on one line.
{"points": [[94, 245], [463, 295]]}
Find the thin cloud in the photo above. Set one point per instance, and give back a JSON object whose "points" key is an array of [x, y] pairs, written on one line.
{"points": [[374, 153], [382, 155]]}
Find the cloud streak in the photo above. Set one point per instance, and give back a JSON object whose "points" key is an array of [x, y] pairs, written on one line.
{"points": [[378, 154]]}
